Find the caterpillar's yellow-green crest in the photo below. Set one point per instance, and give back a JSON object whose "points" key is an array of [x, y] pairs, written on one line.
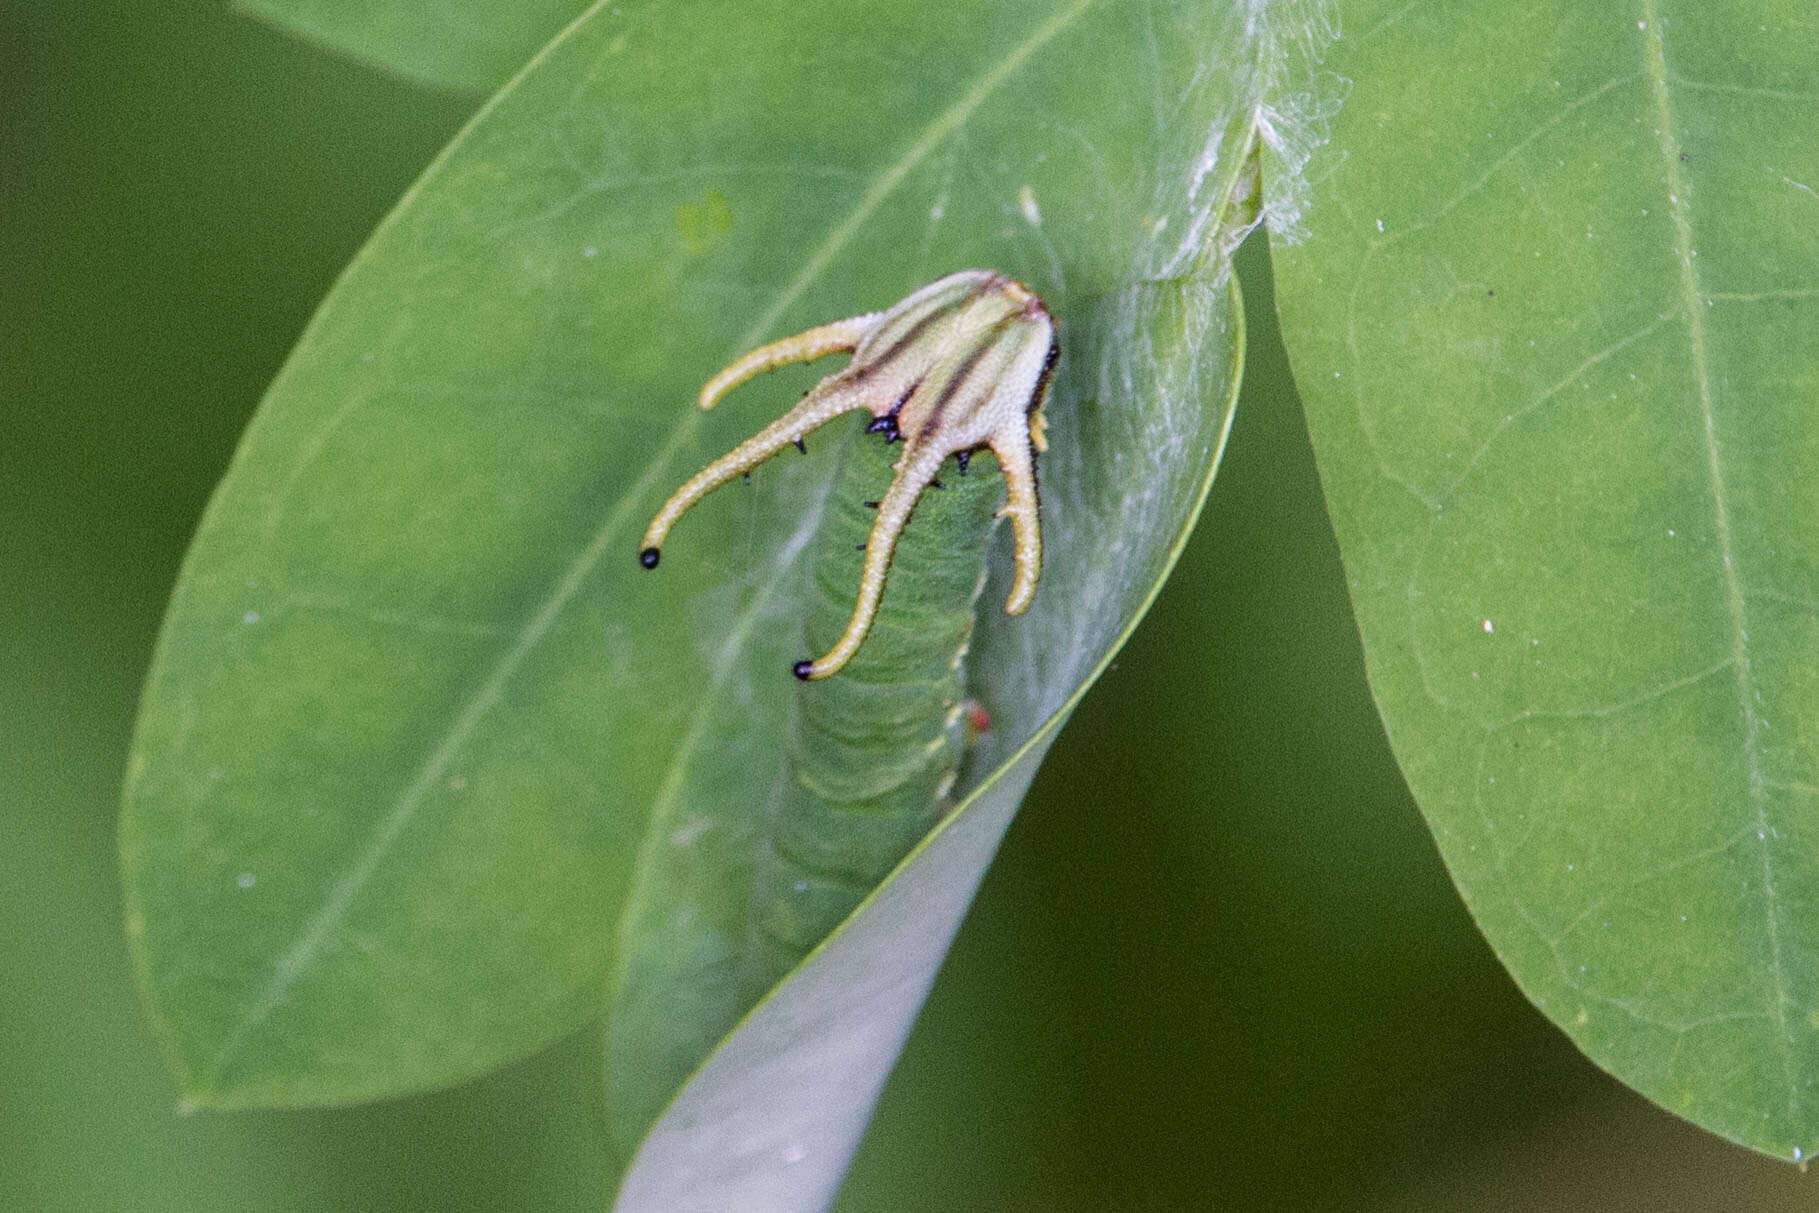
{"points": [[960, 365]]}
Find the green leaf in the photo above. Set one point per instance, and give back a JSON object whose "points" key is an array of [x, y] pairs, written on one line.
{"points": [[415, 705], [1556, 321], [461, 44]]}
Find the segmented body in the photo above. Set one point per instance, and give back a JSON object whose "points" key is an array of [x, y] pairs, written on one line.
{"points": [[872, 755], [953, 379]]}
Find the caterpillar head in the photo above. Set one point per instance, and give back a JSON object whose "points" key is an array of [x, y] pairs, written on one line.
{"points": [[962, 364]]}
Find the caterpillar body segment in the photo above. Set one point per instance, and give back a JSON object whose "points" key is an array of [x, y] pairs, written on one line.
{"points": [[872, 755]]}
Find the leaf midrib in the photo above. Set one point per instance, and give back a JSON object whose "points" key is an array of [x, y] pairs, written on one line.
{"points": [[1691, 305]]}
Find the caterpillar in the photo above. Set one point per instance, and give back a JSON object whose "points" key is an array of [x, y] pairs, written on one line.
{"points": [[871, 756], [960, 369]]}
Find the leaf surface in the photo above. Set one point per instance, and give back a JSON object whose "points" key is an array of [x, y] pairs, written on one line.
{"points": [[1556, 323], [419, 727]]}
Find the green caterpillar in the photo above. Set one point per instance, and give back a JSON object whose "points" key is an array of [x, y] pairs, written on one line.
{"points": [[872, 754], [958, 369]]}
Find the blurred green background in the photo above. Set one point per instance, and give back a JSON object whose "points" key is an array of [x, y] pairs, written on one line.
{"points": [[1218, 964]]}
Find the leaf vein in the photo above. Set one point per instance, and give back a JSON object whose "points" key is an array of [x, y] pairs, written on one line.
{"points": [[1509, 156], [1679, 207], [892, 175]]}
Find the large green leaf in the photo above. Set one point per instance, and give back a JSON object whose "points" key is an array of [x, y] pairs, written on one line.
{"points": [[1557, 325], [464, 44], [415, 705]]}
